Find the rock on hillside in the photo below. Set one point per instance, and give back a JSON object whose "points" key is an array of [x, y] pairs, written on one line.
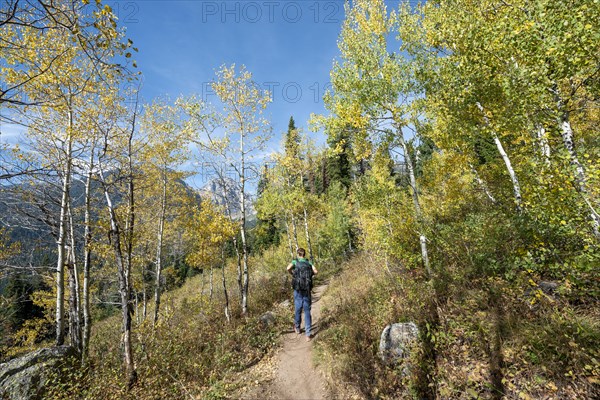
{"points": [[26, 377], [397, 340]]}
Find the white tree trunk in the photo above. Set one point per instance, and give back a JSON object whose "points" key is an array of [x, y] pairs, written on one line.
{"points": [[62, 234], [307, 232], [210, 284], [74, 295], [415, 196], [87, 258], [543, 144], [124, 263], [511, 172], [482, 184], [145, 305], [130, 222], [159, 246], [224, 281], [243, 227], [507, 163], [235, 242], [580, 175], [124, 288], [239, 266], [60, 278]]}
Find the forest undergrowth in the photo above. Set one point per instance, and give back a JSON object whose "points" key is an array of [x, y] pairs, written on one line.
{"points": [[549, 349], [192, 352], [459, 180]]}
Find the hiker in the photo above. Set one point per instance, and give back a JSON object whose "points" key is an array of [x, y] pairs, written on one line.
{"points": [[302, 272]]}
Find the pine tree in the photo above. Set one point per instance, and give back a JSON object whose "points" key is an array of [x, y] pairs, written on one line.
{"points": [[266, 233], [338, 165], [292, 140]]}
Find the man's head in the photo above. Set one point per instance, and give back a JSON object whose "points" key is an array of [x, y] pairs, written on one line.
{"points": [[301, 252]]}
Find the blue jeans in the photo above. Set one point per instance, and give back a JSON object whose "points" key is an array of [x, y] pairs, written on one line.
{"points": [[302, 301]]}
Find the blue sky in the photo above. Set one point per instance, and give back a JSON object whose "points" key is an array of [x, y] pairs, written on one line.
{"points": [[289, 46]]}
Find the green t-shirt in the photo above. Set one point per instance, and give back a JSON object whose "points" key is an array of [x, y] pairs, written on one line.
{"points": [[295, 260]]}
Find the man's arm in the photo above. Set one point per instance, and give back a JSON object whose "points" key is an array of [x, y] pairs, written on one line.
{"points": [[290, 268], [314, 270]]}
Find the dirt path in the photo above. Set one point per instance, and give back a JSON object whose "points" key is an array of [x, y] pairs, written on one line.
{"points": [[294, 376]]}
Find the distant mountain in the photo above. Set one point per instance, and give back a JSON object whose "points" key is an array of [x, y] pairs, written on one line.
{"points": [[226, 193], [30, 211], [223, 192]]}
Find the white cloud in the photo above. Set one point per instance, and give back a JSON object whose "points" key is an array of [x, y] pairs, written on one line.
{"points": [[11, 133]]}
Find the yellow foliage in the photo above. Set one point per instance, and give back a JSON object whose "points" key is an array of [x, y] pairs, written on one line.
{"points": [[208, 229]]}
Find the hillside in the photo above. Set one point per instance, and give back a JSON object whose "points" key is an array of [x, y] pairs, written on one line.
{"points": [[446, 192], [194, 353]]}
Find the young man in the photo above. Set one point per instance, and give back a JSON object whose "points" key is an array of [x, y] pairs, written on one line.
{"points": [[302, 270]]}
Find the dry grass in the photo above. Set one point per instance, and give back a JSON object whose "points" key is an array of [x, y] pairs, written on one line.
{"points": [[192, 352], [550, 351]]}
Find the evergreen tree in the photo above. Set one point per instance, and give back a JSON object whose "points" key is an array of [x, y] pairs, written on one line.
{"points": [[338, 165], [263, 181], [21, 308], [292, 140], [266, 233]]}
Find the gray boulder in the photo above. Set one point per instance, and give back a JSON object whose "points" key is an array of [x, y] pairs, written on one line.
{"points": [[548, 288], [267, 319], [26, 377], [396, 341]]}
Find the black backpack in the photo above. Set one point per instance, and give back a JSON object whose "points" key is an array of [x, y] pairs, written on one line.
{"points": [[302, 280]]}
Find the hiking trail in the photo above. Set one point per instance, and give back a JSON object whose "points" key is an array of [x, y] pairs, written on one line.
{"points": [[292, 374]]}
